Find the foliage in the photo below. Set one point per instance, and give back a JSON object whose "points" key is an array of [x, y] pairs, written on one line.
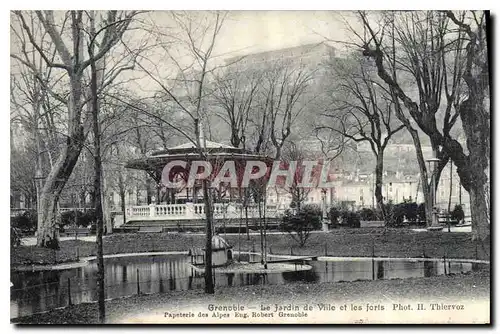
{"points": [[411, 211], [25, 222], [334, 215], [368, 214], [346, 205], [53, 243], [345, 217], [351, 219], [457, 214], [388, 209], [396, 215], [421, 214], [15, 237], [300, 224], [83, 219]]}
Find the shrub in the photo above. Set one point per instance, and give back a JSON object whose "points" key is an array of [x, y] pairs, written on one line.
{"points": [[368, 214], [395, 215], [83, 219], [52, 244], [300, 224], [421, 214], [388, 208], [15, 237], [457, 214], [411, 211], [351, 219], [68, 218], [313, 214], [334, 215], [25, 222]]}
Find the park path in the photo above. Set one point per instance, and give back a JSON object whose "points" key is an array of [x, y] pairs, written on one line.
{"points": [[31, 241]]}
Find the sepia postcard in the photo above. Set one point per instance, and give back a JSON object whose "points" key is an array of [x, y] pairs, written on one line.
{"points": [[250, 167]]}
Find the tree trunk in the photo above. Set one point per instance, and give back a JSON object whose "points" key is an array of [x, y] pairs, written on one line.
{"points": [[379, 168], [426, 188], [476, 125], [261, 233], [158, 194], [479, 212], [54, 184], [471, 169], [421, 162], [265, 232], [121, 188], [246, 221], [148, 189], [475, 180], [39, 167], [209, 281], [207, 199], [97, 188], [478, 195], [62, 169]]}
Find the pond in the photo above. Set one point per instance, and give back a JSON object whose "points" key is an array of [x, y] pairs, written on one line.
{"points": [[39, 291]]}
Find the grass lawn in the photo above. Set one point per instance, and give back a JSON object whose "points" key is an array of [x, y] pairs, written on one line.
{"points": [[469, 289], [344, 242]]}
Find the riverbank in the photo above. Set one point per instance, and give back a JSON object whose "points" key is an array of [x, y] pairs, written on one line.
{"points": [[345, 242], [470, 290]]}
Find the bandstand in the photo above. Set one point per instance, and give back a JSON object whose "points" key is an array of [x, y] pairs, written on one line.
{"points": [[183, 208]]}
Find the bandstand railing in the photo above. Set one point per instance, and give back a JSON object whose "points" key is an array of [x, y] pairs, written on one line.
{"points": [[191, 211]]}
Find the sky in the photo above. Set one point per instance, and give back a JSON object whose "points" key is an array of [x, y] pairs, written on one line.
{"points": [[255, 31], [245, 32]]}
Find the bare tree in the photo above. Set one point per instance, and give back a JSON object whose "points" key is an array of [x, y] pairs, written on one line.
{"points": [[195, 35], [73, 63], [235, 93], [34, 101], [426, 44], [284, 96], [412, 50], [475, 114], [362, 112]]}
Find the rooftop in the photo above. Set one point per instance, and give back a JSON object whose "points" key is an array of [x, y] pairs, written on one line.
{"points": [[208, 144]]}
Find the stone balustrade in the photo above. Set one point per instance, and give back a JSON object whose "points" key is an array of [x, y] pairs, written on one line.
{"points": [[191, 211]]}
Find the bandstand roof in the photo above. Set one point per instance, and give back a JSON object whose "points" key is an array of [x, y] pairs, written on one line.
{"points": [[188, 152], [208, 144]]}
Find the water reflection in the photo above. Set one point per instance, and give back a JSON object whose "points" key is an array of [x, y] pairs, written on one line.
{"points": [[34, 292]]}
